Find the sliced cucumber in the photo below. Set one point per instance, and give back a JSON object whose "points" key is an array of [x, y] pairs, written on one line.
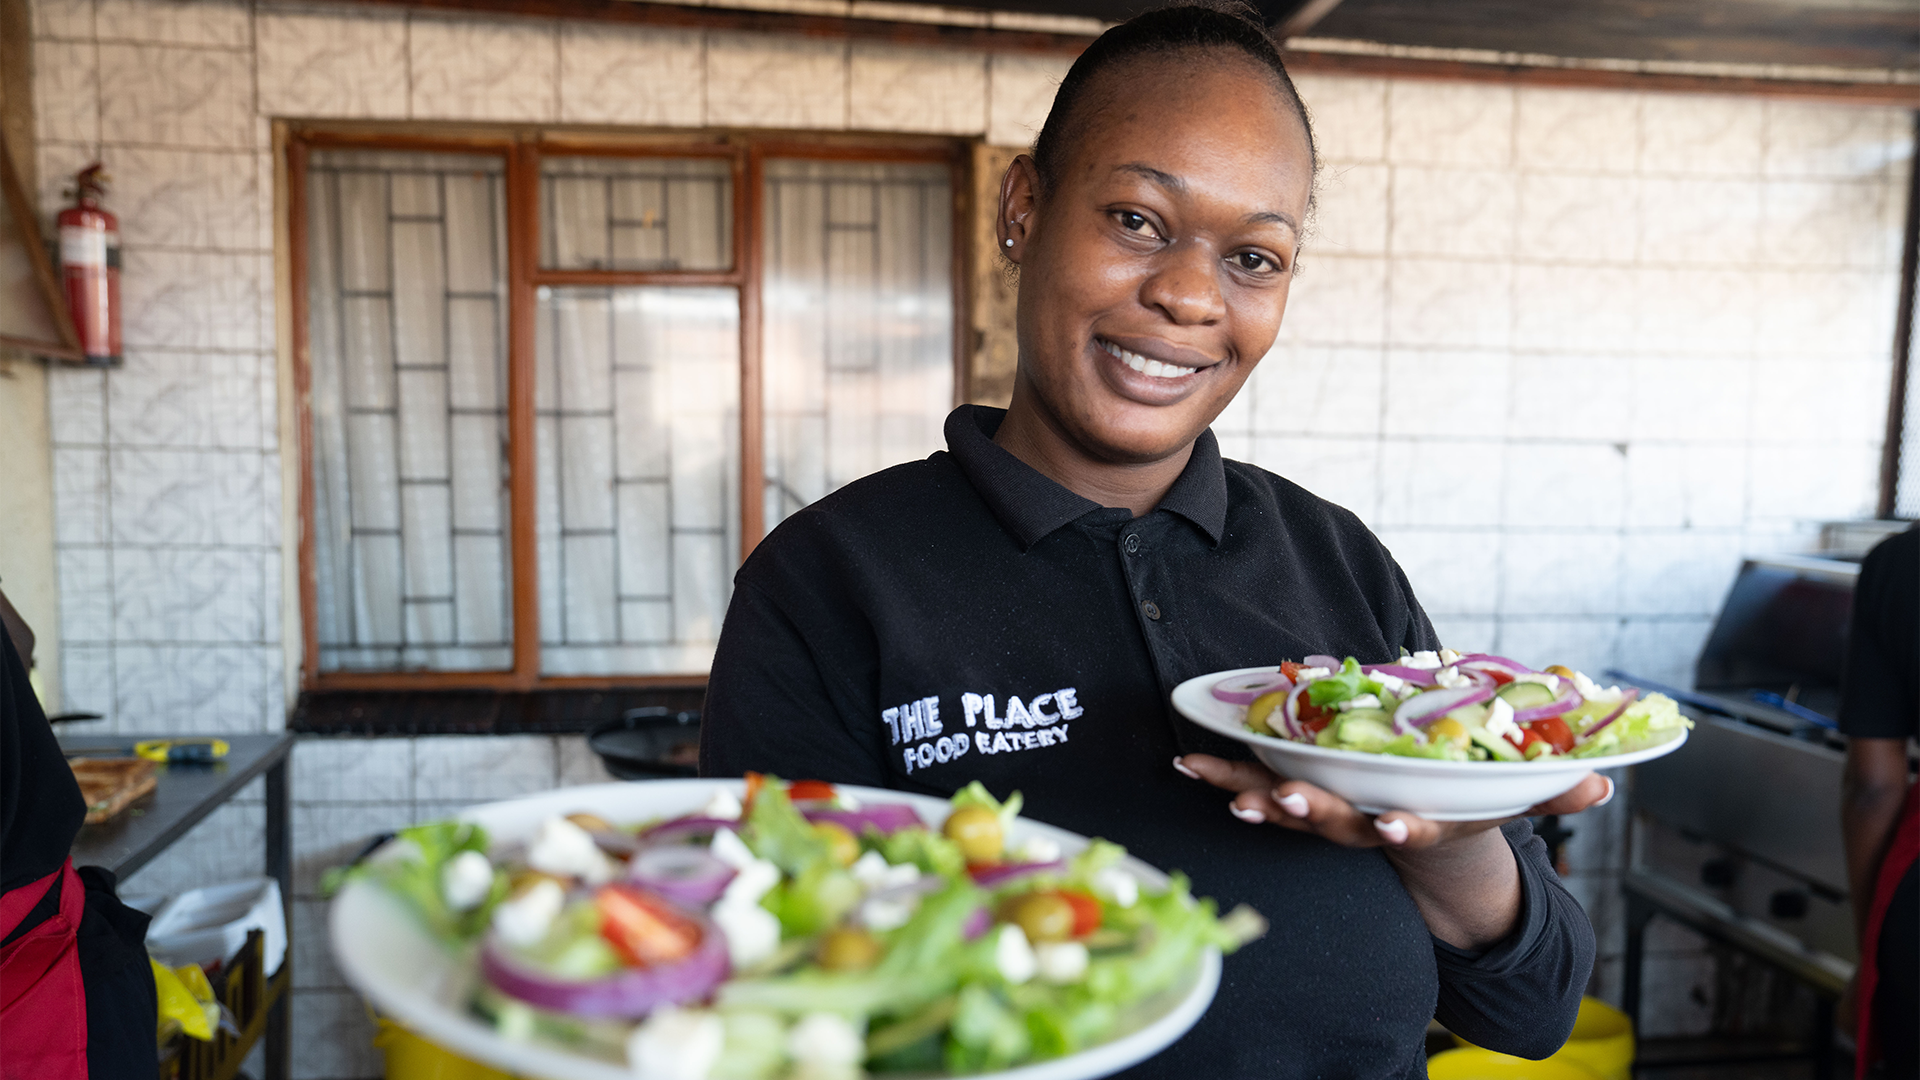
{"points": [[1364, 729], [1527, 695], [1501, 749]]}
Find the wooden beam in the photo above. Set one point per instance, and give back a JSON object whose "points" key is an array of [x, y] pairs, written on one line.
{"points": [[1304, 18]]}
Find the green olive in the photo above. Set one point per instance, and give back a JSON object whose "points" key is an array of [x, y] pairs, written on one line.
{"points": [[840, 843], [977, 830], [847, 949], [1263, 707], [1044, 916], [591, 822]]}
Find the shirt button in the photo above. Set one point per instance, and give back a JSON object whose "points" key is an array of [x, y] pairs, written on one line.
{"points": [[1152, 609], [1133, 543]]}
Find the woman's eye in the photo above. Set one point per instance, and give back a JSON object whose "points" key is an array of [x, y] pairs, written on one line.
{"points": [[1133, 222], [1254, 262]]}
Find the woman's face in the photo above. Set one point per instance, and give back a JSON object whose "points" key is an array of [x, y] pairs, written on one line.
{"points": [[1154, 273]]}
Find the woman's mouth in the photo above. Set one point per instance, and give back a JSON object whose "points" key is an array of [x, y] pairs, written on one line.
{"points": [[1154, 369]]}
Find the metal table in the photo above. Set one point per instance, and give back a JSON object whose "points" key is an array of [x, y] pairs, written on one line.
{"points": [[183, 796]]}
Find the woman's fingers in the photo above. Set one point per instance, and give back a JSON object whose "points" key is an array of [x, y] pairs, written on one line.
{"points": [[1593, 791], [1311, 809], [1228, 775]]}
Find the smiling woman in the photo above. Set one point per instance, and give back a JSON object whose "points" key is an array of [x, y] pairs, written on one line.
{"points": [[1015, 611]]}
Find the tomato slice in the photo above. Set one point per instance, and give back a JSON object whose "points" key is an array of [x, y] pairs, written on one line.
{"points": [[805, 790], [643, 928], [1500, 678], [1086, 911], [1291, 670], [1554, 731], [1313, 717]]}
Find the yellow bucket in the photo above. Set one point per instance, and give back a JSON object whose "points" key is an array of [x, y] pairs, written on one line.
{"points": [[410, 1057], [1473, 1063], [1602, 1043]]}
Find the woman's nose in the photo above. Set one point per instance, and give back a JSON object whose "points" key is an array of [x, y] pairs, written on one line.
{"points": [[1186, 285]]}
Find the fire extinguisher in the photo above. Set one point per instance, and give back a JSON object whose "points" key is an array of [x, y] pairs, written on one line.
{"points": [[90, 266]]}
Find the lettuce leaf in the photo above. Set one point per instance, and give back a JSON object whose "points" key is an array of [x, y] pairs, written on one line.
{"points": [[1650, 721]]}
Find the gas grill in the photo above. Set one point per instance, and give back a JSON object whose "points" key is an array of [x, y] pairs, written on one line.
{"points": [[1738, 836]]}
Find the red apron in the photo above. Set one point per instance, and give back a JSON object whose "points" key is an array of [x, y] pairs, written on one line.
{"points": [[43, 1007], [1900, 855]]}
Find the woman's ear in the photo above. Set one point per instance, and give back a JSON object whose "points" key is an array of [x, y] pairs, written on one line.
{"points": [[1019, 198]]}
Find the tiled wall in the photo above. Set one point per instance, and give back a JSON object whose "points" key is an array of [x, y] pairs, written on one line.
{"points": [[1571, 353]]}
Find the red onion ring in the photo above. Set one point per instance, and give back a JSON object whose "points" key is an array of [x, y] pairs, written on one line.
{"points": [[1399, 671], [1489, 658], [1568, 700], [1289, 711], [629, 995], [681, 828], [1242, 689], [682, 873], [988, 877], [1423, 708], [888, 818], [1331, 663], [977, 924], [1617, 713]]}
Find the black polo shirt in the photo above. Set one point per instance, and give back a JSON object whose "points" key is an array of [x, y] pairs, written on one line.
{"points": [[965, 617]]}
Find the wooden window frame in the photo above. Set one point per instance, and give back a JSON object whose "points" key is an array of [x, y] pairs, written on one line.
{"points": [[521, 151]]}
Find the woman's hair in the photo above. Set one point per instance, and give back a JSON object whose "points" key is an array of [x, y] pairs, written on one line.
{"points": [[1193, 24]]}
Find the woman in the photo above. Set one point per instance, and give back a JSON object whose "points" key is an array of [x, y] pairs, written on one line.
{"points": [[1017, 609]]}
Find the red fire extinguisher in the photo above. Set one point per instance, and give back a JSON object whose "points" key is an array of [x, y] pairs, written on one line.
{"points": [[90, 265]]}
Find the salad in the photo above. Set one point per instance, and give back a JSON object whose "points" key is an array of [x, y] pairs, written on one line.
{"points": [[800, 934], [1450, 707]]}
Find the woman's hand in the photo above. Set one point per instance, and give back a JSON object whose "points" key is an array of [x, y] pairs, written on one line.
{"points": [[1461, 874]]}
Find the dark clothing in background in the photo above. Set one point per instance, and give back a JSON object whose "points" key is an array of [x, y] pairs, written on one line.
{"points": [[1882, 701], [40, 813], [964, 617]]}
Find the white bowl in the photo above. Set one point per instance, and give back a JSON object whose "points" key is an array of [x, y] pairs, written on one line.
{"points": [[1375, 783], [387, 955]]}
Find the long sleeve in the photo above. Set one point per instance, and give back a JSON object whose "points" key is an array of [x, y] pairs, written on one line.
{"points": [[1521, 996]]}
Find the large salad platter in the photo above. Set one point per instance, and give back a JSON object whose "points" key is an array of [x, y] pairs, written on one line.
{"points": [[727, 935], [1449, 736]]}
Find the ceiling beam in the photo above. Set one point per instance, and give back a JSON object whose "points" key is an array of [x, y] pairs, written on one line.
{"points": [[1304, 18]]}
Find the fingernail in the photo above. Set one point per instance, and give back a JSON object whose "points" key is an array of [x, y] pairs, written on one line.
{"points": [[1251, 817], [1608, 797], [1295, 804], [1181, 768], [1393, 832]]}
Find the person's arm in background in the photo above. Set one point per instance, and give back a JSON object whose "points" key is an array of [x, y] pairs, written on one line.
{"points": [[1872, 790]]}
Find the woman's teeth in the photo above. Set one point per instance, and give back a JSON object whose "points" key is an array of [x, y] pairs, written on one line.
{"points": [[1151, 368]]}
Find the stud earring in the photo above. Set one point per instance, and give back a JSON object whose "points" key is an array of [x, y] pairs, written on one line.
{"points": [[1009, 241]]}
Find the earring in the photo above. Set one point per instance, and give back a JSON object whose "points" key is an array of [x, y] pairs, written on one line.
{"points": [[1009, 241]]}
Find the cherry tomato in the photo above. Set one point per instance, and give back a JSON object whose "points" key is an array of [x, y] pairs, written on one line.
{"points": [[1313, 717], [643, 928], [1086, 912], [805, 790], [1525, 738], [1500, 678], [1555, 732], [1291, 670]]}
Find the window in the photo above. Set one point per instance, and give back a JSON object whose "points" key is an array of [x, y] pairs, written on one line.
{"points": [[555, 393]]}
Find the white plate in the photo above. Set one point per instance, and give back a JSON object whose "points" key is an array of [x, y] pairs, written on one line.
{"points": [[1374, 783], [387, 955]]}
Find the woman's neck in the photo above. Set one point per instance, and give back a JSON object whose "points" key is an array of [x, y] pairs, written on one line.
{"points": [[1032, 434]]}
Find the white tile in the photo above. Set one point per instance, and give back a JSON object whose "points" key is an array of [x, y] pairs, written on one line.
{"points": [[1678, 573], [1560, 574], [1694, 134], [185, 198], [1450, 302], [613, 74], [212, 23], [86, 679], [79, 496], [1467, 633], [1812, 482], [1342, 471], [86, 594], [1020, 89], [335, 1034], [170, 96], [1830, 223], [1594, 131], [188, 595], [76, 406], [1452, 212], [1831, 312], [1663, 650], [1350, 210], [321, 63], [1446, 482], [1688, 487], [1349, 116], [1598, 847], [1315, 390], [1452, 571], [896, 88], [468, 69], [1699, 222], [483, 767], [1336, 300], [1703, 399], [1446, 393], [352, 770], [1571, 485], [1569, 397], [312, 948], [229, 845], [190, 300], [326, 835], [578, 763], [1588, 645], [62, 19], [1578, 218], [187, 400], [1806, 138], [756, 80], [1695, 311], [212, 689], [1583, 309], [1449, 123], [66, 91], [1818, 399], [186, 497]]}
